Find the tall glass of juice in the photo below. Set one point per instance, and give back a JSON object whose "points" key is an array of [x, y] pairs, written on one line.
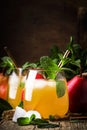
{"points": [[16, 84], [47, 96]]}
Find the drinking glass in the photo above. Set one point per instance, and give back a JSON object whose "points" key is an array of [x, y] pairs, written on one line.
{"points": [[45, 96], [16, 85]]}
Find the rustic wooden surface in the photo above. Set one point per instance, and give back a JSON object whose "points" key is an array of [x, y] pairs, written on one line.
{"points": [[71, 121], [64, 125]]}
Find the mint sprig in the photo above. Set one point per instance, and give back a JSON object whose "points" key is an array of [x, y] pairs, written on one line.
{"points": [[49, 66], [41, 123], [7, 65], [28, 65]]}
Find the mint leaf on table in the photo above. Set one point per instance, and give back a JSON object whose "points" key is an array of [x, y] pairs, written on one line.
{"points": [[22, 121], [48, 125], [38, 121], [25, 120], [41, 123], [49, 66]]}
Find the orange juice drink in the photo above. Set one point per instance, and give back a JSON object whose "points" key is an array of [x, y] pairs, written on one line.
{"points": [[41, 95], [16, 84]]}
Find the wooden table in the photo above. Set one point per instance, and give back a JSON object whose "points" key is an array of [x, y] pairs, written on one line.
{"points": [[64, 125], [70, 122]]}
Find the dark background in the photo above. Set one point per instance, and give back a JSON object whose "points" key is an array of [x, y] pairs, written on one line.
{"points": [[30, 28]]}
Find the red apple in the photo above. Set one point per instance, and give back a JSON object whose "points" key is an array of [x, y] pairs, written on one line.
{"points": [[3, 86], [77, 89], [39, 76]]}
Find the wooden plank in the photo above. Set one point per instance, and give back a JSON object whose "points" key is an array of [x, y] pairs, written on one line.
{"points": [[64, 125], [71, 121]]}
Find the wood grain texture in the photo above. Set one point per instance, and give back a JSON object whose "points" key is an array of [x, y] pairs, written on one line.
{"points": [[64, 125]]}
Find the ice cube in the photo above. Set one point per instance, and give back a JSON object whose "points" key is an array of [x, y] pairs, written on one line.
{"points": [[51, 83], [40, 83]]}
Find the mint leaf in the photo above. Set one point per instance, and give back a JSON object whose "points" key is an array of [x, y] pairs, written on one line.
{"points": [[32, 117], [7, 65], [60, 88], [23, 121], [49, 66], [48, 125], [27, 65], [76, 62], [41, 123]]}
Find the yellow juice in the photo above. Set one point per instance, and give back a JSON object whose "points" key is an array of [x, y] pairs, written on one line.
{"points": [[16, 84], [44, 99], [16, 101]]}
